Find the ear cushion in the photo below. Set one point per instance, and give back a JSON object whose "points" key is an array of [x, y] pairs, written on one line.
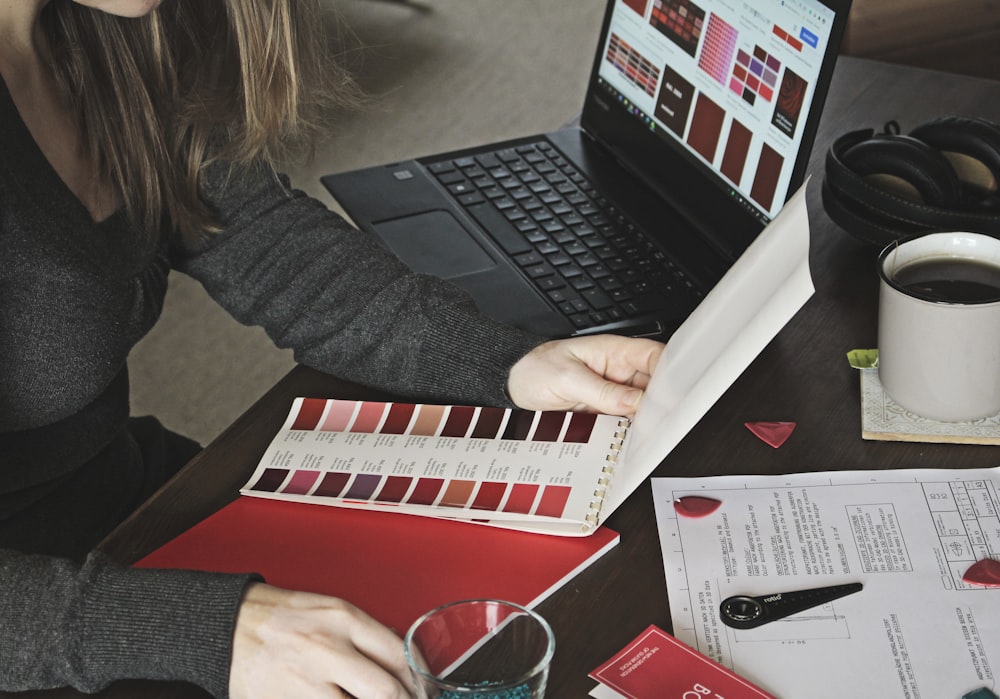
{"points": [[972, 147], [905, 166]]}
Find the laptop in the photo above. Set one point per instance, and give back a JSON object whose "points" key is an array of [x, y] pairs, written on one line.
{"points": [[697, 125]]}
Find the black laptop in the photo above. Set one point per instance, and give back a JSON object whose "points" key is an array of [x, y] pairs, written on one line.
{"points": [[696, 127]]}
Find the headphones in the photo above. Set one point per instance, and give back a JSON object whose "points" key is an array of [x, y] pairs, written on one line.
{"points": [[943, 175]]}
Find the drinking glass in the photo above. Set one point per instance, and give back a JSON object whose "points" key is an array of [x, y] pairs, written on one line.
{"points": [[481, 649]]}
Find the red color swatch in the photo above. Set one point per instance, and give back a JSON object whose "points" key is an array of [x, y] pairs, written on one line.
{"points": [[773, 433], [985, 572], [695, 506], [706, 127]]}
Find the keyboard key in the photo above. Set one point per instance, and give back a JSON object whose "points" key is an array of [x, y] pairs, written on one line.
{"points": [[549, 283], [597, 298], [461, 188], [538, 271], [471, 198], [529, 258], [488, 160], [451, 177], [438, 168]]}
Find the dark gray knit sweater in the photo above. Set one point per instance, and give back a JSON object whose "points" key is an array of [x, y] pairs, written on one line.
{"points": [[75, 297]]}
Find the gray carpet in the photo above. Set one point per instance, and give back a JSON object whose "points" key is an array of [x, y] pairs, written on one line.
{"points": [[442, 74]]}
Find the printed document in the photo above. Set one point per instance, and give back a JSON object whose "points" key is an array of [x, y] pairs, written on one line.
{"points": [[917, 629]]}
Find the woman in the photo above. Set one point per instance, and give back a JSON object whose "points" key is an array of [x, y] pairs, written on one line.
{"points": [[135, 140]]}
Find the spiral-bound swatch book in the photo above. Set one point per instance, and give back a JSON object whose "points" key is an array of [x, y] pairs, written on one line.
{"points": [[548, 472], [533, 471]]}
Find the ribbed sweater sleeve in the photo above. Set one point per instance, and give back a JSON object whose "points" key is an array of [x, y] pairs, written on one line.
{"points": [[345, 304], [88, 625]]}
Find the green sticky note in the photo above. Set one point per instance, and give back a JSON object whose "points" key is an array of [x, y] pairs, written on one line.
{"points": [[863, 358]]}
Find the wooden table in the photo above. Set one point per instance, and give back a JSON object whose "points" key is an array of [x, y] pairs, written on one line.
{"points": [[802, 376]]}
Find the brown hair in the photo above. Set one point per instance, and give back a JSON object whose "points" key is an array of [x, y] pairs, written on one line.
{"points": [[153, 95]]}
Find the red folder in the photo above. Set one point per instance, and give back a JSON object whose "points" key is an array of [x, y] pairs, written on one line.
{"points": [[393, 566]]}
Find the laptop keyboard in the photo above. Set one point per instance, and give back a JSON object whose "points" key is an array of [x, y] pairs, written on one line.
{"points": [[579, 250]]}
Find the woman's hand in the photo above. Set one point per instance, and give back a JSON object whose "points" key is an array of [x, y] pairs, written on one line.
{"points": [[303, 645], [598, 373]]}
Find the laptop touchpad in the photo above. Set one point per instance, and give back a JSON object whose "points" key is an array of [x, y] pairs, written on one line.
{"points": [[434, 243]]}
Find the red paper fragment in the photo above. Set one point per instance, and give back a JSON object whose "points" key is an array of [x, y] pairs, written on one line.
{"points": [[696, 506], [773, 433], [985, 572]]}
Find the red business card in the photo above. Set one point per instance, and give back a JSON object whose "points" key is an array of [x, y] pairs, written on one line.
{"points": [[657, 665]]}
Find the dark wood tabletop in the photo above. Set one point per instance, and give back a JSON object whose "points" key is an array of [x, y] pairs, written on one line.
{"points": [[802, 376]]}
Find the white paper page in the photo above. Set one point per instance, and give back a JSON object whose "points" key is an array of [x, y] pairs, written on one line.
{"points": [[754, 300], [602, 691], [915, 630]]}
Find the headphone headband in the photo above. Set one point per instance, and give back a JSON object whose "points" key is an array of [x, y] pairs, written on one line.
{"points": [[858, 163]]}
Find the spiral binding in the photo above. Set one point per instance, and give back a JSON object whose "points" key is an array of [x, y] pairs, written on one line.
{"points": [[607, 474]]}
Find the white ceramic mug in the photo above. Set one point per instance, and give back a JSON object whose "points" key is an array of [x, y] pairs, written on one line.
{"points": [[939, 348]]}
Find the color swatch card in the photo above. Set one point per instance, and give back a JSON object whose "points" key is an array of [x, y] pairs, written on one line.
{"points": [[656, 665], [536, 471]]}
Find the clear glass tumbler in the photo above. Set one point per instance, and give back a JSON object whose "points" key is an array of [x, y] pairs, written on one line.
{"points": [[482, 649]]}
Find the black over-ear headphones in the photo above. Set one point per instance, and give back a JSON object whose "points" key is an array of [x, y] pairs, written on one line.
{"points": [[943, 175]]}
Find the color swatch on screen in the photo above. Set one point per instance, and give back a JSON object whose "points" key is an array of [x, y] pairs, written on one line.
{"points": [[633, 65], [706, 127], [718, 49], [679, 20], [788, 108], [674, 103], [787, 38], [766, 178], [734, 157], [639, 6], [755, 75]]}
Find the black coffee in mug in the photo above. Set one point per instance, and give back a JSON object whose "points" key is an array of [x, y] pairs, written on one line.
{"points": [[950, 280], [938, 337]]}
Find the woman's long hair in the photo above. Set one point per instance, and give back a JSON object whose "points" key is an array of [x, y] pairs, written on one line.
{"points": [[153, 95]]}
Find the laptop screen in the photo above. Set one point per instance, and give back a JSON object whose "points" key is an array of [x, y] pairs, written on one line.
{"points": [[728, 85]]}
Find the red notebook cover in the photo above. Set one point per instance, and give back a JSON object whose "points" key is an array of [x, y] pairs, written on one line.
{"points": [[393, 566]]}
